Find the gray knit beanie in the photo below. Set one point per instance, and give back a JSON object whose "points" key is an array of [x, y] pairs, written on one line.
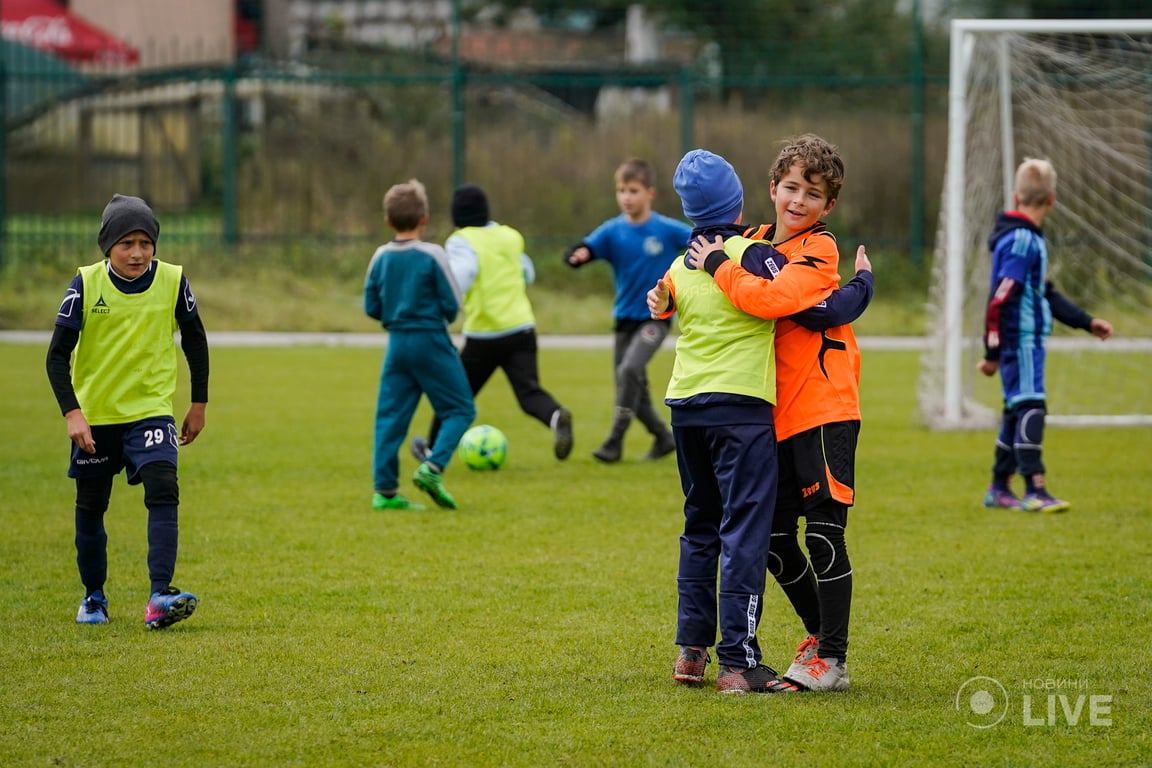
{"points": [[124, 215]]}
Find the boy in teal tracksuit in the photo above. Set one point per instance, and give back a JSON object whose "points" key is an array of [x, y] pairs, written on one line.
{"points": [[409, 290]]}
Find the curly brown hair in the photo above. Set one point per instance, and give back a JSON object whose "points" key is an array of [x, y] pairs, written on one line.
{"points": [[815, 156]]}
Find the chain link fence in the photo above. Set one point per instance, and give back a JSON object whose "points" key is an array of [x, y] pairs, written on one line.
{"points": [[271, 153]]}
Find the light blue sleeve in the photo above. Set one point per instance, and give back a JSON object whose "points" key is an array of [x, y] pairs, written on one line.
{"points": [[463, 261]]}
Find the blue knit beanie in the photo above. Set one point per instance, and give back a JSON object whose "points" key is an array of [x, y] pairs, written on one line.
{"points": [[122, 216], [709, 189]]}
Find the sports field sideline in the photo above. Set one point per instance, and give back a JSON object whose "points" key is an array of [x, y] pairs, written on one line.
{"points": [[273, 339]]}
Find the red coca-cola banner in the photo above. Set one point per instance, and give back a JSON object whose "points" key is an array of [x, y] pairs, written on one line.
{"points": [[48, 26]]}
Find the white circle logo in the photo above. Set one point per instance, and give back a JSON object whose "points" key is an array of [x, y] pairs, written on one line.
{"points": [[982, 701]]}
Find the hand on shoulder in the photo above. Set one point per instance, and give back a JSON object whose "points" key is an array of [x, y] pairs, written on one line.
{"points": [[700, 248]]}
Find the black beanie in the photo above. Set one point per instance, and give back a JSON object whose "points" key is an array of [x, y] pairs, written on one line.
{"points": [[124, 215], [469, 206]]}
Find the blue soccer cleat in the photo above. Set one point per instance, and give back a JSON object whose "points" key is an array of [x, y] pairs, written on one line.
{"points": [[93, 609], [1000, 498], [168, 607]]}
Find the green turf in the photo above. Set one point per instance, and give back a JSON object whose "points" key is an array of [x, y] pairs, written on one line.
{"points": [[534, 626]]}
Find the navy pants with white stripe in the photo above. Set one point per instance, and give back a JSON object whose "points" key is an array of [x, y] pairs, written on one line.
{"points": [[728, 474]]}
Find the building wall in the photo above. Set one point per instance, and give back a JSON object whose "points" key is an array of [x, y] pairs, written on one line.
{"points": [[167, 32], [400, 23]]}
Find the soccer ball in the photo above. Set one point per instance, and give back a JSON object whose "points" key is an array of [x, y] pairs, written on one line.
{"points": [[483, 447]]}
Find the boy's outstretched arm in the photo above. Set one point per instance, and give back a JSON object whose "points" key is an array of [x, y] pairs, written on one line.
{"points": [[846, 304], [1066, 311], [803, 285], [578, 255]]}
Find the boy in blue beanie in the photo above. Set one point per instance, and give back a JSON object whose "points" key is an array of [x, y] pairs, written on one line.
{"points": [[817, 409], [721, 394]]}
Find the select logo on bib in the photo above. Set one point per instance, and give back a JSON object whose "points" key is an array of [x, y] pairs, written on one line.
{"points": [[100, 308]]}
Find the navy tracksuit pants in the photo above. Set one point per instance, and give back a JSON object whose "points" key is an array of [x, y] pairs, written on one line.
{"points": [[729, 475]]}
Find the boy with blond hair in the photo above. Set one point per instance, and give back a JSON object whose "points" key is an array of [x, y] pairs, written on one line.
{"points": [[410, 291], [1022, 303], [639, 244]]}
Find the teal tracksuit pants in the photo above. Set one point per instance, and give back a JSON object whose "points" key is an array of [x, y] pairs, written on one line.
{"points": [[419, 363]]}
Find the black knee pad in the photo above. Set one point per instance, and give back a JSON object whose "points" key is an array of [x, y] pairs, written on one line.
{"points": [[160, 486], [1031, 420], [786, 561], [827, 550], [92, 495]]}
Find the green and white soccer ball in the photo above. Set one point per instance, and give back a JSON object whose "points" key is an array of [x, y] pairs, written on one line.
{"points": [[483, 447]]}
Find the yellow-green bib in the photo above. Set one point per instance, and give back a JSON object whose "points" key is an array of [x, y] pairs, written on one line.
{"points": [[720, 348], [497, 299], [125, 363]]}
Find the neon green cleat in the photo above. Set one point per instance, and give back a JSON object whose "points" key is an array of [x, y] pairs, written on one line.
{"points": [[1042, 502], [380, 501], [429, 481]]}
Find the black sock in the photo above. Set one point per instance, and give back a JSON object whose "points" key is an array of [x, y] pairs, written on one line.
{"points": [[835, 608]]}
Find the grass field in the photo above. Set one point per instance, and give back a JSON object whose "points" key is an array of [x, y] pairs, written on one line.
{"points": [[534, 626]]}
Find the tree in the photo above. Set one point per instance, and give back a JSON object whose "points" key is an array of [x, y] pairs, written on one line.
{"points": [[761, 40]]}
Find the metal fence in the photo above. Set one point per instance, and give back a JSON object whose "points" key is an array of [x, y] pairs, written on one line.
{"points": [[273, 153]]}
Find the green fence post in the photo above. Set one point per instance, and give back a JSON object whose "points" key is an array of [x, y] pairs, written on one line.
{"points": [[916, 212], [228, 157], [458, 135], [3, 156], [687, 107]]}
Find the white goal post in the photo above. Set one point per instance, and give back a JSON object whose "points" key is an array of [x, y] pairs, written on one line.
{"points": [[1078, 92]]}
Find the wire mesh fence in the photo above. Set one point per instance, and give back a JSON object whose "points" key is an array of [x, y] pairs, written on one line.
{"points": [[270, 151]]}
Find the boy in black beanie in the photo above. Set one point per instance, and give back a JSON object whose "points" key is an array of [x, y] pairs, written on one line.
{"points": [[493, 273], [119, 315]]}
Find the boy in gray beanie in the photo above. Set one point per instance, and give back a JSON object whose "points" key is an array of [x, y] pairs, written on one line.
{"points": [[119, 316], [123, 215]]}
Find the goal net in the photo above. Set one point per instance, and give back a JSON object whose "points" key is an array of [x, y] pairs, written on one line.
{"points": [[1078, 93]]}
